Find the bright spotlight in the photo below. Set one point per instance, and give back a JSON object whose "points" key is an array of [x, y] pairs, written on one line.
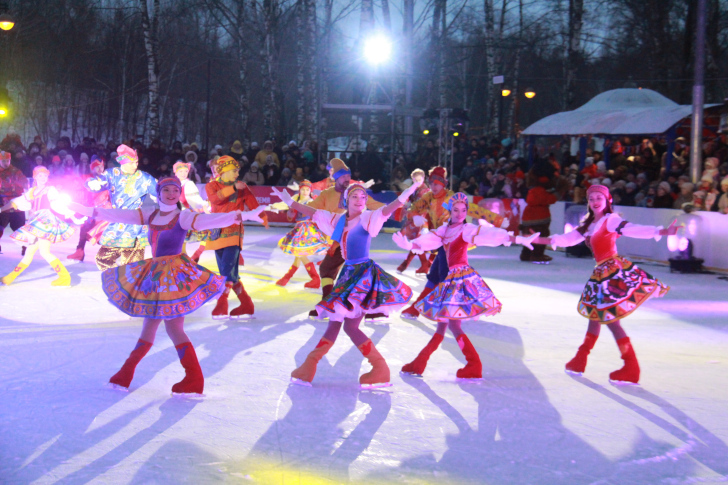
{"points": [[377, 49], [3, 112], [456, 134], [426, 132]]}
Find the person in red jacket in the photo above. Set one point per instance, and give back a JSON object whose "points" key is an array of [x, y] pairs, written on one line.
{"points": [[537, 218], [12, 185], [226, 194]]}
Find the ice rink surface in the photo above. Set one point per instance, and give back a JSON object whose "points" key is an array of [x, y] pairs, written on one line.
{"points": [[526, 422]]}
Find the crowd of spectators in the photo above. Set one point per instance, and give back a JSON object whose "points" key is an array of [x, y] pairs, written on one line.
{"points": [[638, 173]]}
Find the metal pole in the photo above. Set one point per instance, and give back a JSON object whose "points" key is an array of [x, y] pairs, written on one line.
{"points": [[696, 125], [409, 9], [207, 109]]}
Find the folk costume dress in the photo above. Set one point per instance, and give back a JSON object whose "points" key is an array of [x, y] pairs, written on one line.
{"points": [[617, 286], [305, 239], [362, 287], [123, 243], [47, 219], [434, 209], [169, 284], [462, 295]]}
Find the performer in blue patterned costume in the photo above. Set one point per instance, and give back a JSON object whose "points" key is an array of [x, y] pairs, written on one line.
{"points": [[123, 243], [169, 285], [362, 286]]}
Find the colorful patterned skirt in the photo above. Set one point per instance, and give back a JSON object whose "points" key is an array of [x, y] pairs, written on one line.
{"points": [[616, 288], [304, 239], [463, 295], [44, 224], [363, 288], [197, 236], [163, 287]]}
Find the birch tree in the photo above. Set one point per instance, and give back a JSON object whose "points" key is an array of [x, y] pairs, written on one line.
{"points": [[150, 26], [573, 52]]}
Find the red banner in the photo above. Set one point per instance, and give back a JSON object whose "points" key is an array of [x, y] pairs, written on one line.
{"points": [[263, 194]]}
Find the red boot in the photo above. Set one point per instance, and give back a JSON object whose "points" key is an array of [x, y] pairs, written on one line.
{"points": [[220, 311], [287, 277], [417, 366], [379, 375], [411, 312], [473, 369], [198, 252], [577, 365], [126, 373], [424, 262], [241, 261], [402, 267], [304, 374], [315, 280], [631, 371], [78, 255], [246, 307], [194, 381], [326, 291], [425, 267]]}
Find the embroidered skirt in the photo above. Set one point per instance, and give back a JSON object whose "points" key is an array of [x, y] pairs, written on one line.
{"points": [[364, 288], [304, 239], [616, 288], [462, 295], [44, 224], [163, 287]]}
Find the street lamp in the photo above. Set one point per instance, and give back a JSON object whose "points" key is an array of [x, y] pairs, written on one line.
{"points": [[529, 93], [6, 22], [505, 92], [377, 49]]}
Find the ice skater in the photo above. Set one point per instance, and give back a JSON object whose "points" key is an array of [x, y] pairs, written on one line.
{"points": [[432, 209], [169, 285], [304, 240], [414, 224], [45, 227], [192, 200], [617, 287], [462, 295], [362, 286], [227, 194]]}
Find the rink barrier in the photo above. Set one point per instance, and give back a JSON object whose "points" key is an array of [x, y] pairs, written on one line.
{"points": [[708, 231]]}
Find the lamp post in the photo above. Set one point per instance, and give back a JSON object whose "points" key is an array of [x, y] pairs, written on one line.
{"points": [[529, 93], [6, 23]]}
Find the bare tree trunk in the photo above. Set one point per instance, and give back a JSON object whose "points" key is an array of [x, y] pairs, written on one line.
{"points": [[435, 55], [323, 123], [514, 115], [491, 113], [366, 26], [442, 44], [151, 44], [386, 17], [300, 67], [244, 96], [269, 69], [573, 52], [408, 31], [312, 88]]}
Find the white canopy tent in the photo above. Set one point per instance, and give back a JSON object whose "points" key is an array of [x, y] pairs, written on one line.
{"points": [[616, 112]]}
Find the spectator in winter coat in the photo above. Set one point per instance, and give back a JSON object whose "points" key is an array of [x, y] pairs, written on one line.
{"points": [[663, 199], [236, 150], [686, 195], [254, 175], [262, 156]]}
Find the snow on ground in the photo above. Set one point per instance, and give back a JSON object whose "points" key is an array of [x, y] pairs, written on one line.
{"points": [[526, 422]]}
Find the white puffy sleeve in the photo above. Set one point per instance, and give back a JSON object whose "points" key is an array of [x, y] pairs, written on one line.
{"points": [[571, 238], [23, 203], [196, 202], [199, 222], [139, 216], [481, 235], [372, 221], [326, 221], [638, 231], [430, 240]]}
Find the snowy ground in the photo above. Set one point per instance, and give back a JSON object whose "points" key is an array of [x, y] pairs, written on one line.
{"points": [[526, 422]]}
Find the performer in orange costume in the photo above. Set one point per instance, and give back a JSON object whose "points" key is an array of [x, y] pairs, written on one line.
{"points": [[226, 194]]}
